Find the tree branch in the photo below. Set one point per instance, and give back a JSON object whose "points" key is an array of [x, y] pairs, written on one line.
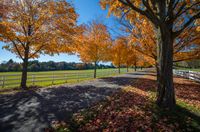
{"points": [[148, 13], [36, 51], [192, 19], [190, 58], [184, 11], [18, 52]]}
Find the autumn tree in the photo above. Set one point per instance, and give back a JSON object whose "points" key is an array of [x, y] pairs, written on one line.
{"points": [[128, 53], [170, 19], [95, 44], [131, 57], [33, 27], [124, 53], [118, 51]]}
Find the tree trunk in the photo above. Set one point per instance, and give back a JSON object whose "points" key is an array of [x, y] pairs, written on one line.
{"points": [[127, 69], [24, 74], [165, 88], [158, 78], [95, 69], [119, 69], [135, 65]]}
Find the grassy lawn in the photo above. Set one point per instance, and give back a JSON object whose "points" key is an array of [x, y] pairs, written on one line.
{"points": [[133, 109], [47, 78]]}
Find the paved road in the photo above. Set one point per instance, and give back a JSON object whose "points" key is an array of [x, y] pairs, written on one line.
{"points": [[34, 110]]}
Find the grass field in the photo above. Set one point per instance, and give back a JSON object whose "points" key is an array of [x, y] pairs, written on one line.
{"points": [[47, 78]]}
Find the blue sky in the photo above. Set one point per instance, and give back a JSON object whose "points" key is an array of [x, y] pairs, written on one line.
{"points": [[87, 10]]}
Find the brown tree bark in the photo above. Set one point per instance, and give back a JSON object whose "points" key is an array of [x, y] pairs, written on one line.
{"points": [[165, 88], [25, 67], [24, 74]]}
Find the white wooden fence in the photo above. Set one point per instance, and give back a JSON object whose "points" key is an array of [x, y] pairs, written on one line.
{"points": [[188, 74], [13, 80]]}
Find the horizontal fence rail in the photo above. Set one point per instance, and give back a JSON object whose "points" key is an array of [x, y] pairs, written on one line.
{"points": [[188, 74], [51, 78]]}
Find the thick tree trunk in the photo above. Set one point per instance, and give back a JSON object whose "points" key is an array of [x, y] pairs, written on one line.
{"points": [[24, 74], [95, 69], [165, 89], [158, 77]]}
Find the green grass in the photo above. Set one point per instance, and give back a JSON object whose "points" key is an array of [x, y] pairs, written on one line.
{"points": [[12, 79]]}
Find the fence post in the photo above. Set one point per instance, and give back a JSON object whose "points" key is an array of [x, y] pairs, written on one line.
{"points": [[3, 81], [33, 79]]}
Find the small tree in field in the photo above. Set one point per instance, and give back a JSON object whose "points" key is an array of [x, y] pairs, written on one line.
{"points": [[32, 27], [118, 52], [130, 56], [170, 18], [95, 44]]}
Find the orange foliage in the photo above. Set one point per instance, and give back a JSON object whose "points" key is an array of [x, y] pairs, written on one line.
{"points": [[119, 49], [32, 27], [95, 43], [144, 18], [186, 46]]}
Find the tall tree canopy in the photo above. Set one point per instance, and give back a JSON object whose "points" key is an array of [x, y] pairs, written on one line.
{"points": [[32, 27], [142, 36], [170, 18]]}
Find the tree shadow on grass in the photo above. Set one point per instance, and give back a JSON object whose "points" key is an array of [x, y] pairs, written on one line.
{"points": [[34, 110], [147, 84], [189, 91], [134, 111]]}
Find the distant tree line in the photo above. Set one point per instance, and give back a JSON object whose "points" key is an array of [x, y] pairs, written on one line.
{"points": [[49, 66]]}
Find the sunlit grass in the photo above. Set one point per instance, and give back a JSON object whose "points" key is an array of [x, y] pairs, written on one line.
{"points": [[12, 79]]}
